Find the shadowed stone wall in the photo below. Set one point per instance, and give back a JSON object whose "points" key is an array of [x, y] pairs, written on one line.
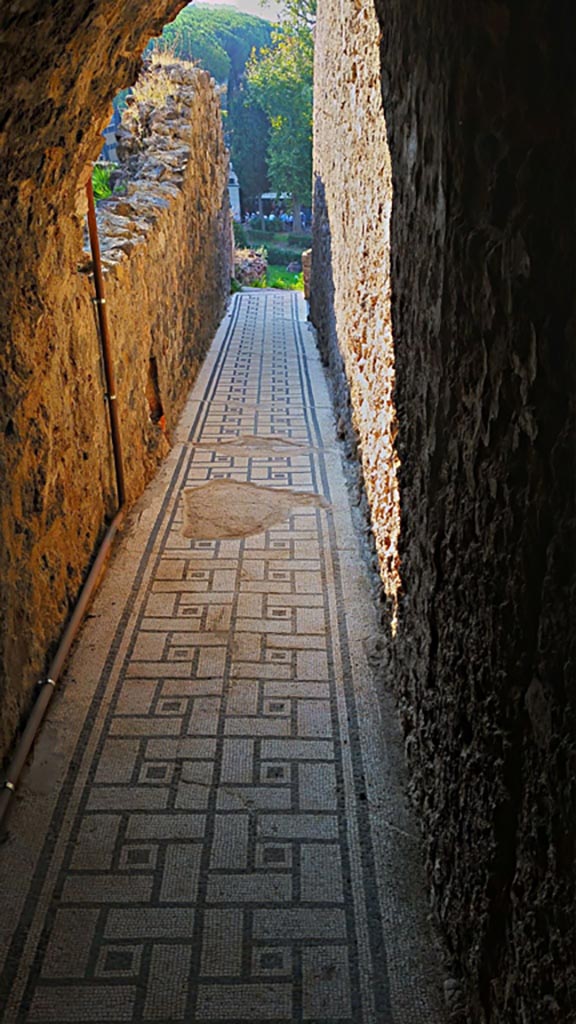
{"points": [[167, 254], [478, 102]]}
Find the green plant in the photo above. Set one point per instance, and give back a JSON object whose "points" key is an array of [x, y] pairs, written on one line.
{"points": [[280, 84], [101, 182], [256, 234], [248, 133], [218, 38], [240, 238], [235, 286], [278, 277], [299, 242], [281, 257]]}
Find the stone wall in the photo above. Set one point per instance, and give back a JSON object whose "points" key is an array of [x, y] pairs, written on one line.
{"points": [[166, 248], [350, 295], [166, 245], [478, 103]]}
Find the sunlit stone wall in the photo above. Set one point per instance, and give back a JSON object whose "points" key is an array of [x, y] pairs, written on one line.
{"points": [[166, 252], [350, 291]]}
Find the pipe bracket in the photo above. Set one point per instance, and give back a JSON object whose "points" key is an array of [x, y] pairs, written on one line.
{"points": [[99, 302]]}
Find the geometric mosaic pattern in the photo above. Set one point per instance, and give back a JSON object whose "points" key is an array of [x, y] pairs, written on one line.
{"points": [[207, 862]]}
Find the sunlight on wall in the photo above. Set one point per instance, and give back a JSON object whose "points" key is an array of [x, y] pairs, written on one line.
{"points": [[352, 160]]}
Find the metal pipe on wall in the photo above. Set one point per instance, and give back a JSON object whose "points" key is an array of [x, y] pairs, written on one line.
{"points": [[105, 340], [48, 685]]}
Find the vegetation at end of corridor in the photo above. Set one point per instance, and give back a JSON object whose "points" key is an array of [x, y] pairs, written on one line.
{"points": [[267, 103], [278, 277], [240, 236], [251, 271], [292, 241], [281, 257], [220, 39], [280, 83]]}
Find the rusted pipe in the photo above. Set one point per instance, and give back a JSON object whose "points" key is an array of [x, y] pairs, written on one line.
{"points": [[109, 375], [48, 685]]}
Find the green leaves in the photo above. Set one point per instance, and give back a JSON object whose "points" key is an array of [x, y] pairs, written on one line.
{"points": [[219, 39], [249, 133], [101, 182], [280, 82]]}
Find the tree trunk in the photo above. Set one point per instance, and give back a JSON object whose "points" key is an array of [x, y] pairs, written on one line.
{"points": [[296, 210]]}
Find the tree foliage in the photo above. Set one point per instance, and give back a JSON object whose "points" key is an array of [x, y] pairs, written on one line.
{"points": [[280, 82], [248, 133], [101, 182], [220, 39]]}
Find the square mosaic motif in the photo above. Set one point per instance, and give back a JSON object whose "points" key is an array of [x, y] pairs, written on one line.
{"points": [[209, 871]]}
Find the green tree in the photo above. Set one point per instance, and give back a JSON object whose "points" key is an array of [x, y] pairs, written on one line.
{"points": [[300, 13], [280, 83], [248, 133], [220, 39]]}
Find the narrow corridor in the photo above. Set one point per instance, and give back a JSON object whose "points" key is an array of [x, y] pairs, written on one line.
{"points": [[212, 827]]}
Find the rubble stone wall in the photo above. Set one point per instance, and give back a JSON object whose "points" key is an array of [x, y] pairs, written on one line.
{"points": [[165, 237], [350, 291], [166, 255], [478, 104]]}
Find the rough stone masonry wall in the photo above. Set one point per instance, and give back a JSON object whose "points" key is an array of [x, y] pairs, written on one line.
{"points": [[478, 102], [350, 294], [167, 253], [65, 63]]}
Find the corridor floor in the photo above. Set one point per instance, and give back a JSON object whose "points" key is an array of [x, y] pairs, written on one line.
{"points": [[213, 826]]}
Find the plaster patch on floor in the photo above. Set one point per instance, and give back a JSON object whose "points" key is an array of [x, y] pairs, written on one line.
{"points": [[234, 839], [226, 509], [269, 443]]}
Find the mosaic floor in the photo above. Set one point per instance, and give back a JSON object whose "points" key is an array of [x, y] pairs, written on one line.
{"points": [[210, 829]]}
